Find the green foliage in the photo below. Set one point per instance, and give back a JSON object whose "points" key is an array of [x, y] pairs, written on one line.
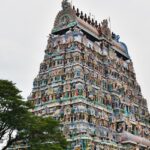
{"points": [[43, 133], [39, 133]]}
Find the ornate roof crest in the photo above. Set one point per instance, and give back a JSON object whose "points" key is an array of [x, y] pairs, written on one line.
{"points": [[65, 4]]}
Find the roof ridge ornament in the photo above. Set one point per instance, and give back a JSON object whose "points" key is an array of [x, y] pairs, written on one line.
{"points": [[65, 4]]}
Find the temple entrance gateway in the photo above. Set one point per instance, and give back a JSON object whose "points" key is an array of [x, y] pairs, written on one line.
{"points": [[87, 82]]}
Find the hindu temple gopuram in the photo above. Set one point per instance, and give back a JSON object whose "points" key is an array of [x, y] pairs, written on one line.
{"points": [[87, 82]]}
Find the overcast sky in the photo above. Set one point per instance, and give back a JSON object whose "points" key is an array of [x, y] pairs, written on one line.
{"points": [[25, 25]]}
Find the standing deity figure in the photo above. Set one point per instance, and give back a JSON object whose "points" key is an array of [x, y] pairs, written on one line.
{"points": [[105, 29]]}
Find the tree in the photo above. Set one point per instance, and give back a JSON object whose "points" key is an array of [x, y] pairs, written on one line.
{"points": [[17, 123]]}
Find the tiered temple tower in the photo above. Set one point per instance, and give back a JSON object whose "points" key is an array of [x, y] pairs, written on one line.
{"points": [[87, 82]]}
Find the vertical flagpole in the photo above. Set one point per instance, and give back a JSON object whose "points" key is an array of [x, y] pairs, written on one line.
{"points": [[110, 23], [71, 3]]}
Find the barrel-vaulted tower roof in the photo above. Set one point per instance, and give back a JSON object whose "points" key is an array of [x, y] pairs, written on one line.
{"points": [[69, 17]]}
